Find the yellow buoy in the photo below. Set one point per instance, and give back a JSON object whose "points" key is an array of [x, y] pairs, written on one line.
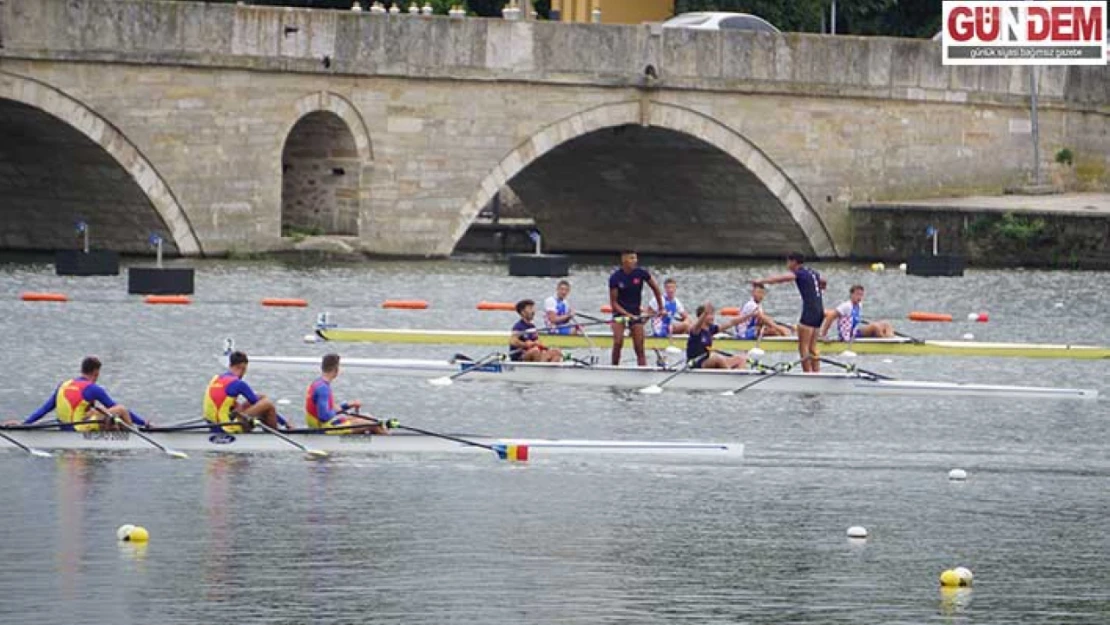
{"points": [[139, 535], [950, 580]]}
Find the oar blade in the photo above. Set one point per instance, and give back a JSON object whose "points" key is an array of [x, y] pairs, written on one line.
{"points": [[728, 394], [444, 381], [179, 455], [654, 389], [316, 454], [38, 453], [511, 453]]}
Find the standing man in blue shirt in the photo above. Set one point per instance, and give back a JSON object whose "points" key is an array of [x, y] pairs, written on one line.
{"points": [[626, 286], [810, 285]]}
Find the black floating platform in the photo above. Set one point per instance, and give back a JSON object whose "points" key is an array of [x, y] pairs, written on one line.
{"points": [[155, 281], [539, 265], [936, 266], [91, 263]]}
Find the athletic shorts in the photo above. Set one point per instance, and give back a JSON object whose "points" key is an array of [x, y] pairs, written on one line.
{"points": [[812, 318], [636, 321], [747, 333], [858, 333]]}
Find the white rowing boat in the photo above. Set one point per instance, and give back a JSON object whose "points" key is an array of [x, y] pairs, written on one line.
{"points": [[578, 374], [396, 443]]}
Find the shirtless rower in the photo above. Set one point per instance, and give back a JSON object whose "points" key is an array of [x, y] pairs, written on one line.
{"points": [[849, 322], [810, 284]]}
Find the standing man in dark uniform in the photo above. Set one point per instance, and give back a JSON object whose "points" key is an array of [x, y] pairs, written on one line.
{"points": [[810, 284], [626, 287]]}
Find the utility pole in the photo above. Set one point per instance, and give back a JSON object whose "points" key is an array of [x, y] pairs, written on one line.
{"points": [[832, 19]]}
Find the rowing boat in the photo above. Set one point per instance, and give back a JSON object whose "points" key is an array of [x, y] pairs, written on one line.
{"points": [[397, 443], [892, 346], [580, 374]]}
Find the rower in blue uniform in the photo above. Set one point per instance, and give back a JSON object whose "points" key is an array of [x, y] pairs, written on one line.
{"points": [[699, 344], [524, 341], [626, 286], [810, 284]]}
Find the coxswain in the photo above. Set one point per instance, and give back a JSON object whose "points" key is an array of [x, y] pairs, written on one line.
{"points": [[230, 400], [79, 404], [699, 345], [319, 406], [524, 341], [810, 284], [626, 286], [849, 320]]}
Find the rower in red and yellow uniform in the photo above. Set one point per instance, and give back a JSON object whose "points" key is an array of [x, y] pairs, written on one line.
{"points": [[221, 407], [319, 406], [78, 403]]}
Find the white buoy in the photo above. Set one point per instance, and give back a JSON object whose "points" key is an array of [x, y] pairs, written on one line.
{"points": [[969, 336], [957, 475], [902, 267], [124, 531], [847, 354], [857, 531], [311, 338], [756, 353], [965, 575], [972, 316], [1058, 305]]}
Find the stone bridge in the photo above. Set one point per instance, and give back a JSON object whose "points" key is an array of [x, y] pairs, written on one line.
{"points": [[223, 127]]}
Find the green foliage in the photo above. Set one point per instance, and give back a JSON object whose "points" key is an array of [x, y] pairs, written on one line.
{"points": [[1019, 229], [298, 233], [1065, 157]]}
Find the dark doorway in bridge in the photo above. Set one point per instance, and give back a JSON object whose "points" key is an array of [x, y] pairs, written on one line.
{"points": [[320, 178], [654, 190], [52, 177]]}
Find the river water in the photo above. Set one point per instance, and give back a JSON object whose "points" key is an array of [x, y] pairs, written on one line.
{"points": [[469, 539]]}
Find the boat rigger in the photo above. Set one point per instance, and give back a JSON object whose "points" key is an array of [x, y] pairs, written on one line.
{"points": [[896, 346]]}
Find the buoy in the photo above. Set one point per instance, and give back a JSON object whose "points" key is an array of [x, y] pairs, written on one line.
{"points": [[730, 311], [929, 316], [30, 296], [175, 300], [968, 336], [857, 531], [847, 354], [980, 317], [124, 531], [950, 579], [1058, 305], [505, 306], [902, 267], [607, 309], [965, 575], [132, 533], [957, 475], [285, 302], [405, 304], [878, 267], [311, 338]]}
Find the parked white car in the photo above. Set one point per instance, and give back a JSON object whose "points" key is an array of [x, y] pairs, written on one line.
{"points": [[719, 20]]}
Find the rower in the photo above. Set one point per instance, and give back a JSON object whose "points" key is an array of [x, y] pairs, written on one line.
{"points": [[849, 323], [76, 402], [221, 407], [557, 311], [524, 342], [626, 286], [810, 284], [319, 405], [699, 344], [674, 319], [754, 321]]}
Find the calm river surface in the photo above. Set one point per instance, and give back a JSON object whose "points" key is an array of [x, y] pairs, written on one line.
{"points": [[469, 539]]}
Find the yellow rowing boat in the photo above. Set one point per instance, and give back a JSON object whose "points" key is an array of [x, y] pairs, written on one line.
{"points": [[897, 346]]}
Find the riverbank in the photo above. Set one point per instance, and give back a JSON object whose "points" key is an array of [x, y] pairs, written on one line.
{"points": [[1063, 231]]}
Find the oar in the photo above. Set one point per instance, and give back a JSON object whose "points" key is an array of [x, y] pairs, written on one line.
{"points": [[173, 453], [447, 380], [512, 453], [855, 369], [762, 378], [38, 453], [313, 454], [757, 352], [656, 389], [911, 339]]}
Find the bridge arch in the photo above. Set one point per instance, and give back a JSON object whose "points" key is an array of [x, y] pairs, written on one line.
{"points": [[31, 98], [325, 154], [682, 122]]}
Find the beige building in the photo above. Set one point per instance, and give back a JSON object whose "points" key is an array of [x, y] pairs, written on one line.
{"points": [[614, 11]]}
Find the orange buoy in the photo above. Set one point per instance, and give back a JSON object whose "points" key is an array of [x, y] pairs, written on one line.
{"points": [[285, 302], [929, 316], [405, 304], [31, 296], [730, 311], [505, 306], [607, 309], [179, 300]]}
